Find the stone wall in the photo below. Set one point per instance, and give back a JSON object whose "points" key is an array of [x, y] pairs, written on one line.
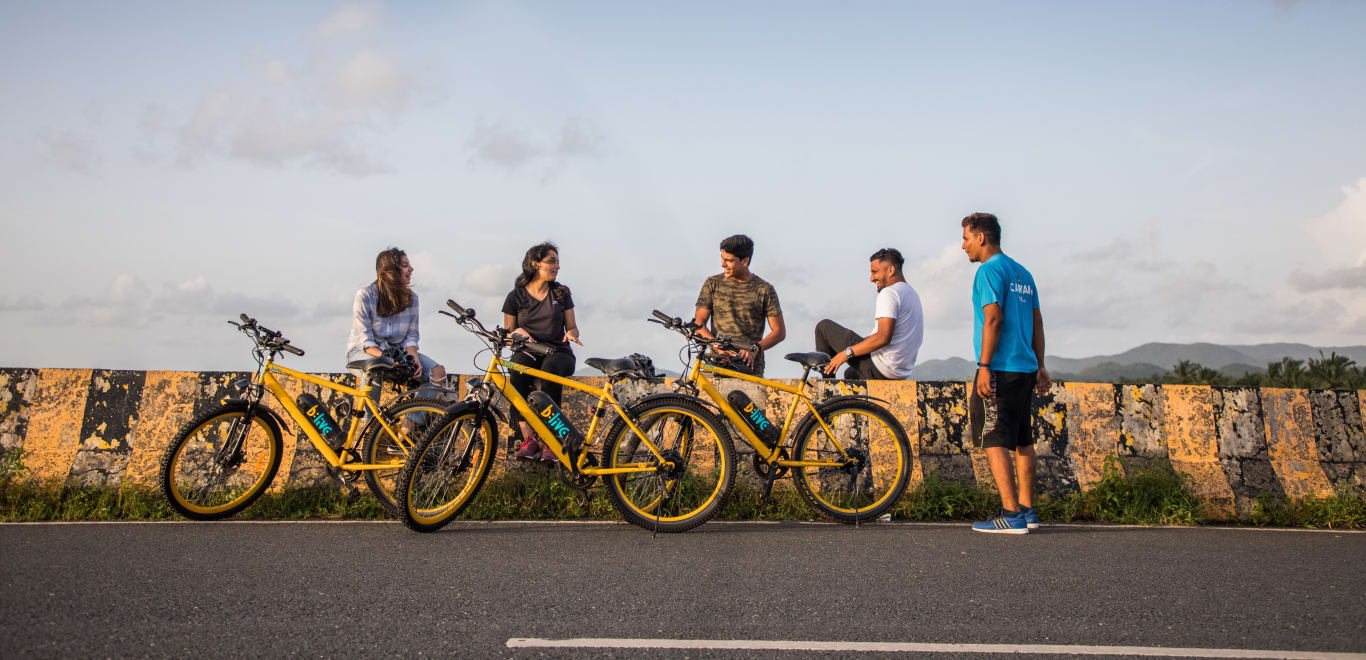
{"points": [[109, 428]]}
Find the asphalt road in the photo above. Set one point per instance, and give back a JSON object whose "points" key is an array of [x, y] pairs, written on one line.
{"points": [[368, 589]]}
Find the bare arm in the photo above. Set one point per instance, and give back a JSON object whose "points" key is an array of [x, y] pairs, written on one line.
{"points": [[571, 327], [777, 332], [700, 318], [1044, 382], [510, 321], [992, 317]]}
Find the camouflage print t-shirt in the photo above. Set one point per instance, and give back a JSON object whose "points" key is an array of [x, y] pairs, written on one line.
{"points": [[740, 309]]}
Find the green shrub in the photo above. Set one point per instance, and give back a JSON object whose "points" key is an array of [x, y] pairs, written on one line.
{"points": [[1342, 510]]}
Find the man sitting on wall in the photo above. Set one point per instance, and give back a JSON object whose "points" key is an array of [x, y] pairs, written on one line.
{"points": [[889, 353]]}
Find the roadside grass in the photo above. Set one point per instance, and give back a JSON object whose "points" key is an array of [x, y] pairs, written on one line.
{"points": [[1151, 495], [1342, 510], [1154, 494]]}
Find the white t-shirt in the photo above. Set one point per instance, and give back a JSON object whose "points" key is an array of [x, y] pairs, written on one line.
{"points": [[900, 303]]}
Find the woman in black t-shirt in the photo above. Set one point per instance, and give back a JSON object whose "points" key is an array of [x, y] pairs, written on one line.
{"points": [[540, 307]]}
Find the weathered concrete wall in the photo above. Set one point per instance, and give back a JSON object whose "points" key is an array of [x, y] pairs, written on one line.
{"points": [[100, 427]]}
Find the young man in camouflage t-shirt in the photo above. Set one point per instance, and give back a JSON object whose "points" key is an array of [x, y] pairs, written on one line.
{"points": [[738, 303]]}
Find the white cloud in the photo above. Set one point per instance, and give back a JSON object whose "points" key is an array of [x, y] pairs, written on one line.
{"points": [[943, 283], [370, 77], [349, 18], [1333, 278], [1340, 234], [1141, 251], [579, 138], [72, 151], [1300, 318], [22, 304], [504, 147], [129, 302], [511, 149], [489, 280], [326, 109]]}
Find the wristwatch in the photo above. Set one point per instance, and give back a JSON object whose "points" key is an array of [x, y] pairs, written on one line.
{"points": [[849, 352]]}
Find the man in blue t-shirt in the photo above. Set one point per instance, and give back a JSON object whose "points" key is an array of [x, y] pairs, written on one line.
{"points": [[1007, 332]]}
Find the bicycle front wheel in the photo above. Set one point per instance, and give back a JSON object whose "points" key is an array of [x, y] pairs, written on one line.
{"points": [[700, 468], [873, 468], [220, 462], [410, 420], [444, 472]]}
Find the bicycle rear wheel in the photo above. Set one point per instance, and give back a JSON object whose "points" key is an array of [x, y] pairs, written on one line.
{"points": [[876, 472], [673, 499], [221, 462], [446, 469], [411, 419]]}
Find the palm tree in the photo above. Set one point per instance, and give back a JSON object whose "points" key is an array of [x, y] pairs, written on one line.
{"points": [[1287, 373], [1332, 372], [1184, 373], [1206, 376]]}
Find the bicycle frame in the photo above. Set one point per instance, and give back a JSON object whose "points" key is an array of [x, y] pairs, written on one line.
{"points": [[697, 374], [265, 377], [495, 376]]}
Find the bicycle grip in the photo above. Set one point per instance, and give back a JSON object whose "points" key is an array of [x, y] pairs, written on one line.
{"points": [[538, 349], [668, 320], [291, 349], [460, 309], [247, 319]]}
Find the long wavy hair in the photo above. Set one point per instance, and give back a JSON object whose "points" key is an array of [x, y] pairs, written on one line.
{"points": [[394, 293], [537, 253]]}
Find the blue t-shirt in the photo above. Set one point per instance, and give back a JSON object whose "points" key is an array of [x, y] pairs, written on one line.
{"points": [[1004, 281]]}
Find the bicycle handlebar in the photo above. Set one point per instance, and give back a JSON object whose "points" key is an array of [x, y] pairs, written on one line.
{"points": [[466, 317], [265, 337], [690, 330]]}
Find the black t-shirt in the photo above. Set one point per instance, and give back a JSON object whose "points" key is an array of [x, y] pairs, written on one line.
{"points": [[542, 319]]}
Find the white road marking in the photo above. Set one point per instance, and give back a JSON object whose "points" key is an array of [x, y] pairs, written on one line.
{"points": [[600, 523], [915, 647]]}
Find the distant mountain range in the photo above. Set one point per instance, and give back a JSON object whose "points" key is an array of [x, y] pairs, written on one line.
{"points": [[1153, 358]]}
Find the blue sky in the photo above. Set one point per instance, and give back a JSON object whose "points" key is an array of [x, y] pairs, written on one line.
{"points": [[1169, 171]]}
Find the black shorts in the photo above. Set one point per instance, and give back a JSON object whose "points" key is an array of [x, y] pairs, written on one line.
{"points": [[1004, 419]]}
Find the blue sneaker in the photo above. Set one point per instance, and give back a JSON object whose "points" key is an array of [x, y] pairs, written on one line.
{"points": [[1031, 517], [1003, 523]]}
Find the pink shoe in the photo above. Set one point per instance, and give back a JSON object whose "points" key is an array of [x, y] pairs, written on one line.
{"points": [[530, 450]]}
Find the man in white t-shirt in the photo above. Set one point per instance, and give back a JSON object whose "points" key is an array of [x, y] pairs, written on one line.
{"points": [[889, 353]]}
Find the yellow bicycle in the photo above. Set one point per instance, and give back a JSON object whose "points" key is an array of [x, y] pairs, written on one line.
{"points": [[850, 457], [225, 458], [666, 460]]}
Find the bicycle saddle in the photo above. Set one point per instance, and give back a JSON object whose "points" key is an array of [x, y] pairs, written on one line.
{"points": [[371, 364], [611, 367], [811, 360]]}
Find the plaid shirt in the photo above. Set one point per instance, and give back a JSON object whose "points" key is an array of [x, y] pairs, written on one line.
{"points": [[368, 328]]}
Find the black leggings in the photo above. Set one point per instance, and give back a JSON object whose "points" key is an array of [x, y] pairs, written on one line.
{"points": [[560, 363]]}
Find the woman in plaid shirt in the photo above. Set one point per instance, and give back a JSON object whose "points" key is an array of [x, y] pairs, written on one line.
{"points": [[384, 319]]}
